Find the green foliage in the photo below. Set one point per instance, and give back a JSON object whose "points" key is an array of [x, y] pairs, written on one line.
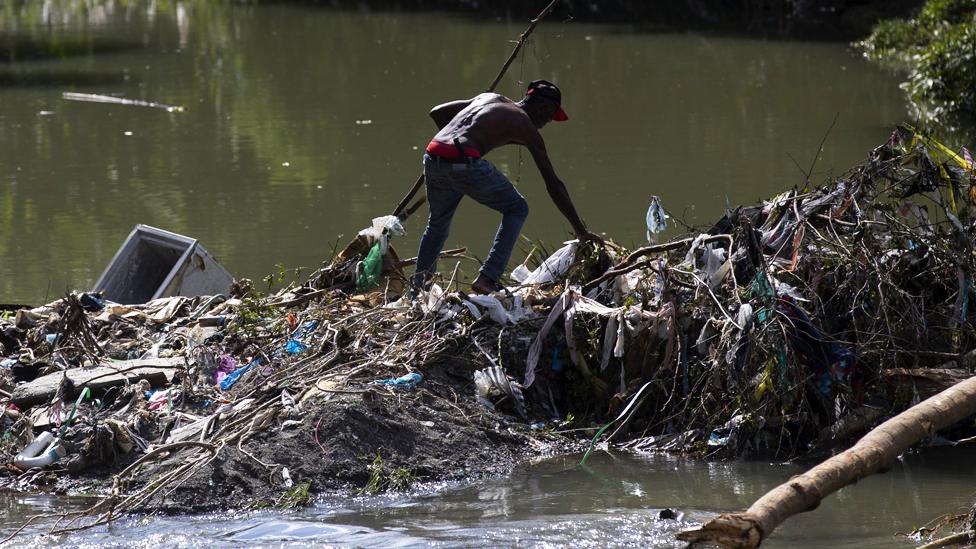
{"points": [[281, 273], [296, 497], [375, 469], [897, 40], [938, 48], [252, 313], [398, 479], [944, 82]]}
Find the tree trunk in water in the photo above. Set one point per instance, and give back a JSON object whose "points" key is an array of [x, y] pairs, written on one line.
{"points": [[875, 452]]}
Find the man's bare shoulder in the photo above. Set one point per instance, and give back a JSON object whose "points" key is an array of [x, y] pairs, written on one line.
{"points": [[491, 97]]}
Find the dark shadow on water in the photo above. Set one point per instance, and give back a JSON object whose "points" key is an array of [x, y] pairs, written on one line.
{"points": [[831, 20], [20, 48], [24, 78]]}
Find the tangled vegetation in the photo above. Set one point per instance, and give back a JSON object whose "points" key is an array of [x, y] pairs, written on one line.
{"points": [[938, 48]]}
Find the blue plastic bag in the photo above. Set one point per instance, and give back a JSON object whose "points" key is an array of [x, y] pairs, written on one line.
{"points": [[231, 378], [293, 347], [408, 381], [656, 219]]}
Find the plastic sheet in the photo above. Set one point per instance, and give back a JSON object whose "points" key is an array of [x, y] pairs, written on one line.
{"points": [[408, 381], [497, 311], [656, 219], [551, 269]]}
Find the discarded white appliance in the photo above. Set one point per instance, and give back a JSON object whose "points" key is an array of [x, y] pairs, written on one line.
{"points": [[154, 263]]}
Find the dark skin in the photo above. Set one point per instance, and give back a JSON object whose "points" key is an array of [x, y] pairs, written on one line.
{"points": [[489, 121]]}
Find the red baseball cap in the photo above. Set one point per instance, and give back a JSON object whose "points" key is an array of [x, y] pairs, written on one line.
{"points": [[544, 88]]}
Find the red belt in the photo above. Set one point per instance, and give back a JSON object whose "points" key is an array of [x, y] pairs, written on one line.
{"points": [[447, 150]]}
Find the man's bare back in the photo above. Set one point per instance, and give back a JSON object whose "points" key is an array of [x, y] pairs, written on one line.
{"points": [[487, 122]]}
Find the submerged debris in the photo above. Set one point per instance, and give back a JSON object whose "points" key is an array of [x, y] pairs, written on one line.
{"points": [[98, 98], [785, 328]]}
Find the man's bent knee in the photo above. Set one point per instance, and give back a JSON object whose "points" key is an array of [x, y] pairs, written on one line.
{"points": [[519, 209]]}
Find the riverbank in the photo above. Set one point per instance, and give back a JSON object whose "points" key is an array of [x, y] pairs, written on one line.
{"points": [[835, 20], [784, 330]]}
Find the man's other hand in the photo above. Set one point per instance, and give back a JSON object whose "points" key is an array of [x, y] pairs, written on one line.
{"points": [[585, 235]]}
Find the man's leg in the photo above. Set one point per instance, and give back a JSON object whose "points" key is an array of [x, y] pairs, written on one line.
{"points": [[491, 188], [442, 201]]}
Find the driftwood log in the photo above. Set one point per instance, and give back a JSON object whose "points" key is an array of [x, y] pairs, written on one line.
{"points": [[875, 452]]}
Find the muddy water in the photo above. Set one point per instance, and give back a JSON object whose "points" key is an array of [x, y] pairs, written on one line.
{"points": [[303, 123], [613, 502]]}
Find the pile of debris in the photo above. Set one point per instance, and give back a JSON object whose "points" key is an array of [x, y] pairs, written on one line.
{"points": [[783, 329]]}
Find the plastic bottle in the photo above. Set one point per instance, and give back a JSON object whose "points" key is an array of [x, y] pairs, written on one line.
{"points": [[43, 450]]}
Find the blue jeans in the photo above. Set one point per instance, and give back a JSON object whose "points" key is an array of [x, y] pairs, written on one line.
{"points": [[447, 183]]}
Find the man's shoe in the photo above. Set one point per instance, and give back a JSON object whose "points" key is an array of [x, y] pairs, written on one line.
{"points": [[485, 285]]}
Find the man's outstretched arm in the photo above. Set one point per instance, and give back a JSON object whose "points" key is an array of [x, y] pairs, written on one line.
{"points": [[444, 113], [557, 190]]}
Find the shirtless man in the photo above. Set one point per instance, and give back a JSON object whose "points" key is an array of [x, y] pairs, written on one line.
{"points": [[454, 167]]}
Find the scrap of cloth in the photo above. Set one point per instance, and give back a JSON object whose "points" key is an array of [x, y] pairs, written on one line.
{"points": [[572, 302]]}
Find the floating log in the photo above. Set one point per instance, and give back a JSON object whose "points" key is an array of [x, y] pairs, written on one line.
{"points": [[875, 452]]}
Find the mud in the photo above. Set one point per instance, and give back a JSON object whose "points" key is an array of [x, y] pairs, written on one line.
{"points": [[437, 432]]}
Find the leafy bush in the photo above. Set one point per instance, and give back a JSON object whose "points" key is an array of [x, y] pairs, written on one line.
{"points": [[938, 48]]}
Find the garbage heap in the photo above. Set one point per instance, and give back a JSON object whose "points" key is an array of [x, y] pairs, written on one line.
{"points": [[785, 328]]}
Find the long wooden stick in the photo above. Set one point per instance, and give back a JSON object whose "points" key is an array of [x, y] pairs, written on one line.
{"points": [[521, 42], [949, 541], [518, 47], [406, 199], [875, 452], [627, 264]]}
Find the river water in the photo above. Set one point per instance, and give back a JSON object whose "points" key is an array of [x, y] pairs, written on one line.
{"points": [[614, 501], [304, 123]]}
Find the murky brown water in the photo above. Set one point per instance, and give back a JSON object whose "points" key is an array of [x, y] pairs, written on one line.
{"points": [[613, 502], [304, 123]]}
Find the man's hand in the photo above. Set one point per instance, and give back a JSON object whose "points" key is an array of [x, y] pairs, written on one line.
{"points": [[586, 235]]}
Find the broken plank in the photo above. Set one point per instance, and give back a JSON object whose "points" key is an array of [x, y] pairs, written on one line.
{"points": [[158, 372]]}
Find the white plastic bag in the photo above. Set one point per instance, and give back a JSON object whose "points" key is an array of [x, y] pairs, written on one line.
{"points": [[552, 268], [656, 220], [382, 229], [497, 311], [708, 260]]}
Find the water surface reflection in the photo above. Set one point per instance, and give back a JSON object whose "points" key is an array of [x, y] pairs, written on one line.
{"points": [[304, 123], [613, 502]]}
